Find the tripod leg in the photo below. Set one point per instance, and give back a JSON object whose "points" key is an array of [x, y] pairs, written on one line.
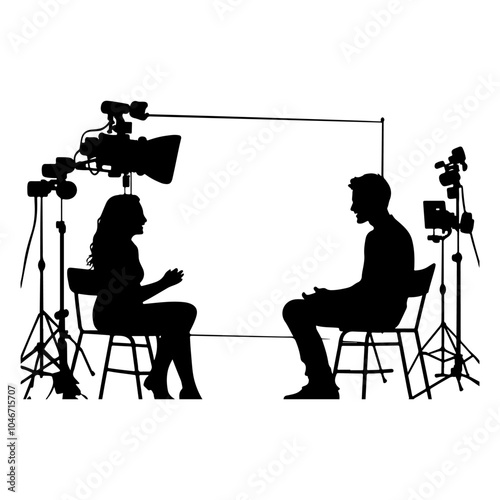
{"points": [[472, 355], [432, 337], [50, 322], [32, 377], [23, 357], [452, 334]]}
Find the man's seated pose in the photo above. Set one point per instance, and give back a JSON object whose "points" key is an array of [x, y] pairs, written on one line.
{"points": [[378, 301]]}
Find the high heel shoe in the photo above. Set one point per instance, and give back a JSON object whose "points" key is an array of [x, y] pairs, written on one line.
{"points": [[158, 388]]}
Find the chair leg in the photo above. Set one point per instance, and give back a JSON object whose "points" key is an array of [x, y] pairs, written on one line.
{"points": [[106, 365], [422, 362], [337, 355], [378, 361], [405, 368], [365, 364], [136, 366]]}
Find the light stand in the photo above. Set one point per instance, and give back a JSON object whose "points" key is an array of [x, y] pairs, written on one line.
{"points": [[446, 333], [43, 358], [438, 218], [63, 380]]}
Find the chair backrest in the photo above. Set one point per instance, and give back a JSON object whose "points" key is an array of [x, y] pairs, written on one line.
{"points": [[83, 281], [421, 281], [419, 286]]}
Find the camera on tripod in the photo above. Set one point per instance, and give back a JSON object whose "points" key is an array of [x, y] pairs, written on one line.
{"points": [[451, 175]]}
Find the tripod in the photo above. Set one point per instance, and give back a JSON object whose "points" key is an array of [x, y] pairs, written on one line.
{"points": [[459, 369], [43, 358], [64, 382]]}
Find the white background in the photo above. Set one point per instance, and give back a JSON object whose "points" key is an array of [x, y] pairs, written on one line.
{"points": [[430, 68]]}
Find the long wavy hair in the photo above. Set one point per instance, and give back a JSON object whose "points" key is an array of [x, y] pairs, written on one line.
{"points": [[112, 224]]}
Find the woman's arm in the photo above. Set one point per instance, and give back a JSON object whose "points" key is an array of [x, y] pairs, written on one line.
{"points": [[170, 278]]}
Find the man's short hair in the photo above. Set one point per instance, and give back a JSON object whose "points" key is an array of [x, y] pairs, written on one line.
{"points": [[372, 187]]}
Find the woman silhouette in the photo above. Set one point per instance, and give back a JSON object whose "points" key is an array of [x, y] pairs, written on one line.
{"points": [[115, 258]]}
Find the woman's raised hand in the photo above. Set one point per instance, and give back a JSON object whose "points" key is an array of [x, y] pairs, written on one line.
{"points": [[172, 277]]}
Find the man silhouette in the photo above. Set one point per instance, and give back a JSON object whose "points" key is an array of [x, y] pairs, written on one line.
{"points": [[377, 301]]}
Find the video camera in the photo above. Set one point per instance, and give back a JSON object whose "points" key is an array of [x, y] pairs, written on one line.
{"points": [[155, 158]]}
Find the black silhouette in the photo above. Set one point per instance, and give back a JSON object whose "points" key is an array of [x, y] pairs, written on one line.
{"points": [[117, 154], [376, 302], [115, 259], [418, 286], [63, 380], [85, 282], [438, 218]]}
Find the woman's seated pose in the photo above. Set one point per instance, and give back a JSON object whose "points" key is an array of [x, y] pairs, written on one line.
{"points": [[115, 259]]}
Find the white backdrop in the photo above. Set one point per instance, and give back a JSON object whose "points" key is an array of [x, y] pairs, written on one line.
{"points": [[257, 213]]}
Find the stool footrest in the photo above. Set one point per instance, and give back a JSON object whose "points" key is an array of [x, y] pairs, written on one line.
{"points": [[128, 372], [125, 344], [369, 344], [385, 370]]}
